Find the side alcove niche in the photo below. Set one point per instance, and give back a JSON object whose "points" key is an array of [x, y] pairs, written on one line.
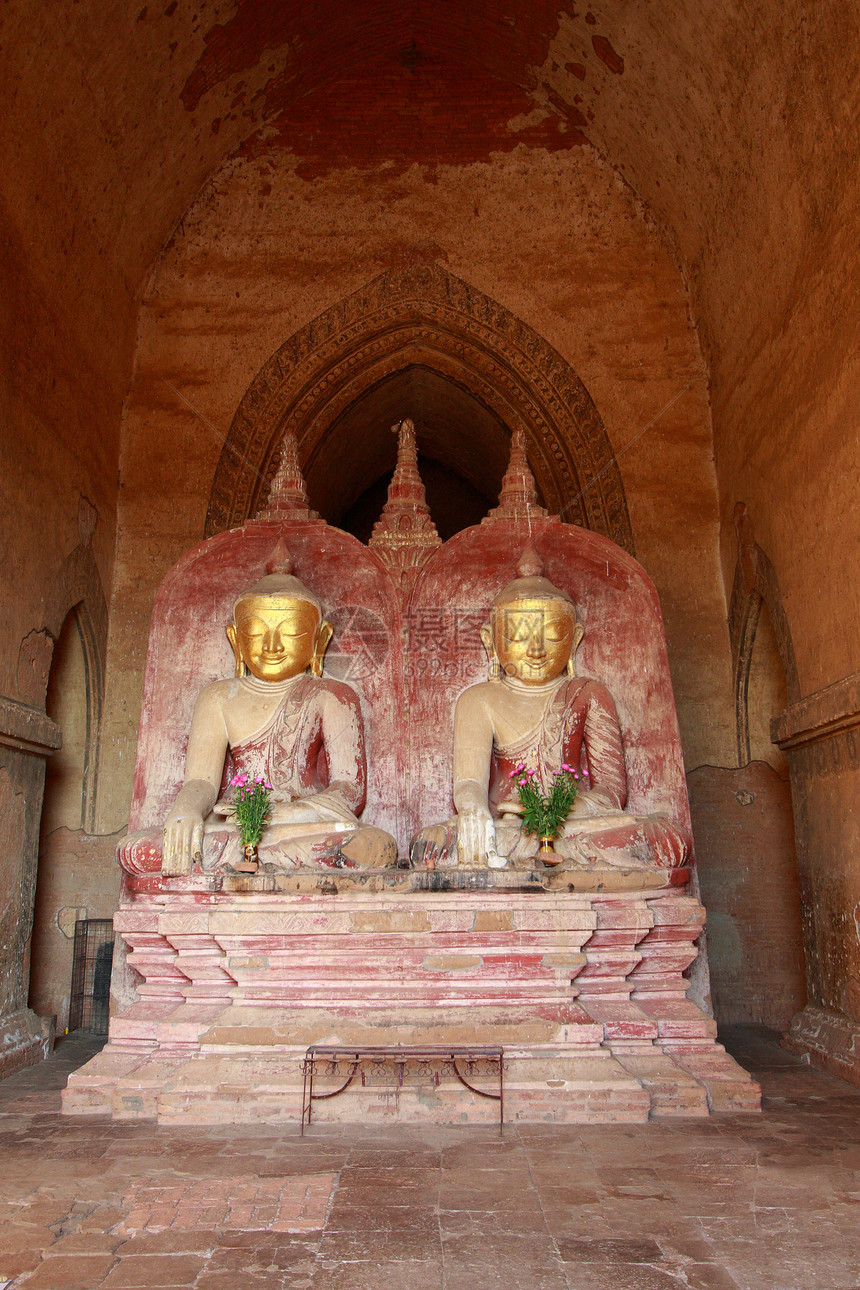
{"points": [[61, 887], [750, 880], [76, 877]]}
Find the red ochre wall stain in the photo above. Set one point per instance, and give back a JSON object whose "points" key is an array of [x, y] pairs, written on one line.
{"points": [[604, 51], [376, 80]]}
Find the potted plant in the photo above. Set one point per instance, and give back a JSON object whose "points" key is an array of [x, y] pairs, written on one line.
{"points": [[546, 809], [251, 804]]}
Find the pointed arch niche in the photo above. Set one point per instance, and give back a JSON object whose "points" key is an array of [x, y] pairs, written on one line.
{"points": [[419, 342]]}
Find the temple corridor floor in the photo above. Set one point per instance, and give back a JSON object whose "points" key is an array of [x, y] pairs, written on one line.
{"points": [[768, 1202]]}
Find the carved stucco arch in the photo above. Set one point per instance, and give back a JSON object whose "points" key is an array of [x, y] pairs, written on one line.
{"points": [[424, 316]]}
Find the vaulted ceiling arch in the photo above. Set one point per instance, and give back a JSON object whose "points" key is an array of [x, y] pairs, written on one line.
{"points": [[422, 317]]}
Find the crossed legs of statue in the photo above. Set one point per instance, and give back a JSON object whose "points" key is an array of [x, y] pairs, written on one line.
{"points": [[615, 841]]}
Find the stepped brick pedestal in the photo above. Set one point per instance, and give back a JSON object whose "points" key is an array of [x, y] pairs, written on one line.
{"points": [[583, 989]]}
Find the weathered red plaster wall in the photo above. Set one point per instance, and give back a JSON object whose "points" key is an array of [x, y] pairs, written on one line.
{"points": [[755, 172], [736, 123], [66, 335], [743, 826]]}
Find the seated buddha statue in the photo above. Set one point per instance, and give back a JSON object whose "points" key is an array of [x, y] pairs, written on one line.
{"points": [[535, 712], [280, 720]]}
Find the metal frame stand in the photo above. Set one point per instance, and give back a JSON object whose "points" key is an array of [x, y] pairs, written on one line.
{"points": [[448, 1055]]}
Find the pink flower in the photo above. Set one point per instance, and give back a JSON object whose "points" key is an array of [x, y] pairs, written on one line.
{"points": [[522, 782], [512, 774], [239, 781], [521, 766]]}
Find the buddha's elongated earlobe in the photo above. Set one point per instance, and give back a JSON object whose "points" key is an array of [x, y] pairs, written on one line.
{"points": [[494, 669], [324, 635], [233, 638], [578, 633]]}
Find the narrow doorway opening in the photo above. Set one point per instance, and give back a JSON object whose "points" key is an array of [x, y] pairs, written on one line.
{"points": [[776, 964], [58, 906], [77, 877], [89, 995]]}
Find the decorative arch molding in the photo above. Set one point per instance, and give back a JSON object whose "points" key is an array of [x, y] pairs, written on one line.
{"points": [[424, 316], [755, 584]]}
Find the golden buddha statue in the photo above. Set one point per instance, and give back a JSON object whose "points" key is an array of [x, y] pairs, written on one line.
{"points": [[281, 720], [535, 711]]}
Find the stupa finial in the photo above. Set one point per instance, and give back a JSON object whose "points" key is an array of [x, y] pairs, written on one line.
{"points": [[406, 485], [288, 494], [405, 535], [518, 496]]}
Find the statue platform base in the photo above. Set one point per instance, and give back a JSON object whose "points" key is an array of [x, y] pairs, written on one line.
{"points": [[25, 1039], [826, 1039], [584, 989]]}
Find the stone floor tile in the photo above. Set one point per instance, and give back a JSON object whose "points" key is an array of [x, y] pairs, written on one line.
{"points": [[164, 1271], [368, 1195], [629, 1276], [492, 1222], [15, 1262], [69, 1272], [227, 1279], [508, 1275], [236, 1240], [379, 1247], [101, 1219], [367, 1218], [609, 1250], [688, 1246], [709, 1276], [85, 1243], [171, 1241], [379, 1276], [14, 1237], [491, 1251]]}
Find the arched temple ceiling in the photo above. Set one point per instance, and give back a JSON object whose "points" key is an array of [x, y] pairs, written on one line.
{"points": [[724, 116], [735, 122]]}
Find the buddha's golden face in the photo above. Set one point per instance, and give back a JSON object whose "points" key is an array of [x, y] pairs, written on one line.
{"points": [[276, 639], [533, 639]]}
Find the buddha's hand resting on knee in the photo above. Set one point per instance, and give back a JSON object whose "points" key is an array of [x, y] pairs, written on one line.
{"points": [[183, 842], [476, 835]]}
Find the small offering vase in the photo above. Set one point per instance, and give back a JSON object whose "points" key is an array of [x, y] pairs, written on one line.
{"points": [[250, 862], [547, 850]]}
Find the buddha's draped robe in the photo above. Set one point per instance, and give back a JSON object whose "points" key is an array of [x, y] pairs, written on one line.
{"points": [[313, 742], [579, 726]]}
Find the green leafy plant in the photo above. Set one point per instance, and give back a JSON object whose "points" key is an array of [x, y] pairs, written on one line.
{"points": [[250, 807], [545, 811]]}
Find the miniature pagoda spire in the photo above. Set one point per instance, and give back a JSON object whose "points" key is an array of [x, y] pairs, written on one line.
{"points": [[404, 536], [518, 497], [288, 494]]}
